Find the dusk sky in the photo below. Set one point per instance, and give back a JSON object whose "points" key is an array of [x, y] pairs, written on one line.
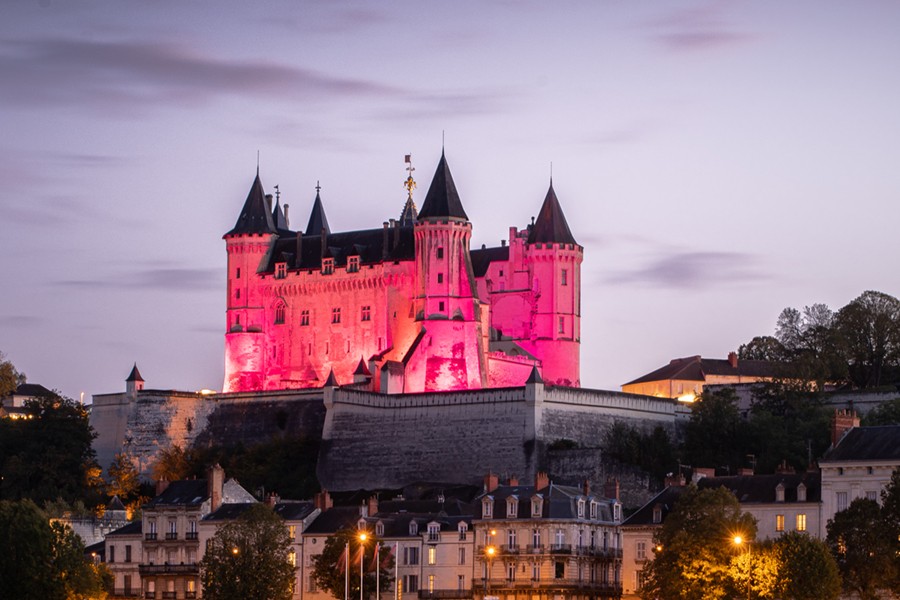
{"points": [[718, 161]]}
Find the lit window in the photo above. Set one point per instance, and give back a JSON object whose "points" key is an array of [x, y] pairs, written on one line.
{"points": [[327, 266], [292, 531], [801, 522], [431, 583], [280, 270], [353, 264], [304, 317], [366, 313], [335, 315], [564, 277], [779, 522], [292, 558], [279, 314]]}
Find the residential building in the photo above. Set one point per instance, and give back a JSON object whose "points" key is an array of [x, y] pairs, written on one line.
{"points": [[122, 554]]}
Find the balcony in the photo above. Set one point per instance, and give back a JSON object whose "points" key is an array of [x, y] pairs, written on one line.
{"points": [[509, 549], [164, 569], [549, 585], [534, 549], [124, 593], [168, 596], [150, 537], [190, 595], [445, 594], [190, 535], [561, 549], [172, 535], [150, 595]]}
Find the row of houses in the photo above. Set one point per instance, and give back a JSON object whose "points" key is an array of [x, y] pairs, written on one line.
{"points": [[508, 540]]}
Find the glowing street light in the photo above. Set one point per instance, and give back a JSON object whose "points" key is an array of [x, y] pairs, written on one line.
{"points": [[739, 541], [362, 550]]}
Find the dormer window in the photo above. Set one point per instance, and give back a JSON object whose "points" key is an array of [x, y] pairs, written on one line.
{"points": [[463, 530], [512, 507], [413, 528], [434, 532], [353, 264], [327, 266], [581, 508], [280, 270], [779, 492], [379, 529], [657, 514], [594, 507], [537, 506], [801, 493], [487, 508], [361, 525], [617, 512]]}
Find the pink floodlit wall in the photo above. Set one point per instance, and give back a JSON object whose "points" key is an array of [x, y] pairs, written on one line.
{"points": [[426, 324]]}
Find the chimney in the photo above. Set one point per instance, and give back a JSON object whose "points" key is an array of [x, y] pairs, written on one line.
{"points": [[384, 241], [513, 481], [269, 202], [745, 471], [396, 229], [784, 467], [611, 489], [842, 422], [215, 483], [287, 223], [701, 472], [586, 487], [322, 501], [161, 486], [732, 359], [272, 499], [675, 480], [373, 505], [541, 480], [491, 482]]}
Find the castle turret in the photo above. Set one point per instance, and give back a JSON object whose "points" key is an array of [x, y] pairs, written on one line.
{"points": [[555, 263], [135, 382], [446, 297], [318, 222], [247, 244]]}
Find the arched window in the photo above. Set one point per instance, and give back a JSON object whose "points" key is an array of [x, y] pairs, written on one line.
{"points": [[279, 313]]}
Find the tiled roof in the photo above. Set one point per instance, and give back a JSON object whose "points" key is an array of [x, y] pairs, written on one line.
{"points": [[867, 443], [188, 492], [334, 519], [551, 225], [482, 259], [665, 500], [294, 510], [135, 375], [760, 489], [368, 244], [229, 512], [695, 368], [34, 390], [559, 502], [442, 199], [133, 528]]}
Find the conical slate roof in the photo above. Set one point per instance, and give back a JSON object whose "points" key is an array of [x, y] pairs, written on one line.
{"points": [[442, 199], [278, 216], [409, 214], [317, 219], [135, 375], [551, 226], [255, 216]]}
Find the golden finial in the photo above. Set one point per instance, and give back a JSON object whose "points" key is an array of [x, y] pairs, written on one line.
{"points": [[410, 183]]}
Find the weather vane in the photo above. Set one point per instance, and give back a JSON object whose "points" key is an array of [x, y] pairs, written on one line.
{"points": [[277, 193], [410, 183]]}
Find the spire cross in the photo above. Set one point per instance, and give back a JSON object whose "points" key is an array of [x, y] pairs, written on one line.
{"points": [[410, 183], [318, 187]]}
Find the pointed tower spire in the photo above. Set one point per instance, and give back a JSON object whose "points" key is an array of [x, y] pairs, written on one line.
{"points": [[551, 225], [442, 199], [278, 218], [317, 219], [255, 216], [135, 375]]}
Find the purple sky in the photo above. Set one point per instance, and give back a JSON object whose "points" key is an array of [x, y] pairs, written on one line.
{"points": [[717, 160]]}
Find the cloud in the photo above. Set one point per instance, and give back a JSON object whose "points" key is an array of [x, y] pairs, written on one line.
{"points": [[20, 322], [696, 29], [104, 75], [694, 270], [164, 279]]}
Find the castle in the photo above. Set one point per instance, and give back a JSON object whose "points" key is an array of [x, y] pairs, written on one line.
{"points": [[407, 307]]}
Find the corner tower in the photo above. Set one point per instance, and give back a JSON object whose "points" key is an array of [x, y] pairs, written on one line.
{"points": [[450, 352], [247, 244], [555, 260]]}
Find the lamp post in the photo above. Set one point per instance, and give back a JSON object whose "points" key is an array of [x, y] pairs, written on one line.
{"points": [[347, 571], [377, 572], [739, 541], [362, 551], [489, 552]]}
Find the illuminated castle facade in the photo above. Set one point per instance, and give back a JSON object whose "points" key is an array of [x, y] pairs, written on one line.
{"points": [[407, 307]]}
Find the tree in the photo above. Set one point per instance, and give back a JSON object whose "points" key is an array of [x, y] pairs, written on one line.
{"points": [[49, 454], [330, 567], [890, 516], [173, 464], [806, 569], [862, 547], [43, 561], [697, 548], [248, 559], [716, 435], [754, 571], [763, 347], [10, 378], [869, 328], [886, 413], [124, 479]]}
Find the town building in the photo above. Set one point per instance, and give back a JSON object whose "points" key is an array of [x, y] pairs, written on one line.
{"points": [[13, 405], [407, 305], [685, 378]]}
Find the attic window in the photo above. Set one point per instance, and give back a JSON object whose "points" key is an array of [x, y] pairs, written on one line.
{"points": [[657, 514], [536, 506], [594, 507], [779, 492], [434, 532], [801, 493], [413, 528], [379, 529], [463, 529], [580, 508], [487, 508], [353, 264], [512, 507], [280, 270], [327, 266]]}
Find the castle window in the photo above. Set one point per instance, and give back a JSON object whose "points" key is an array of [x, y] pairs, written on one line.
{"points": [[353, 264], [237, 273], [440, 277], [366, 313], [779, 522], [279, 314], [304, 317], [441, 306], [440, 253], [280, 270], [327, 266], [237, 294], [564, 277], [335, 315], [562, 325], [801, 522]]}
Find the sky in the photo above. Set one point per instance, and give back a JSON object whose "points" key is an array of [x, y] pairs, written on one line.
{"points": [[718, 161]]}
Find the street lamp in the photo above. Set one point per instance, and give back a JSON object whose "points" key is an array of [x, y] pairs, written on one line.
{"points": [[739, 541], [362, 550], [489, 552]]}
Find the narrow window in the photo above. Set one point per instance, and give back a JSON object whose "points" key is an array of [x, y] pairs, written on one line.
{"points": [[432, 555], [564, 277], [562, 325], [304, 317], [801, 522], [441, 306], [462, 555], [279, 314], [440, 253], [841, 501], [237, 294], [335, 315], [366, 313], [440, 277], [641, 550], [327, 266], [237, 273], [280, 270], [353, 264], [779, 522]]}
